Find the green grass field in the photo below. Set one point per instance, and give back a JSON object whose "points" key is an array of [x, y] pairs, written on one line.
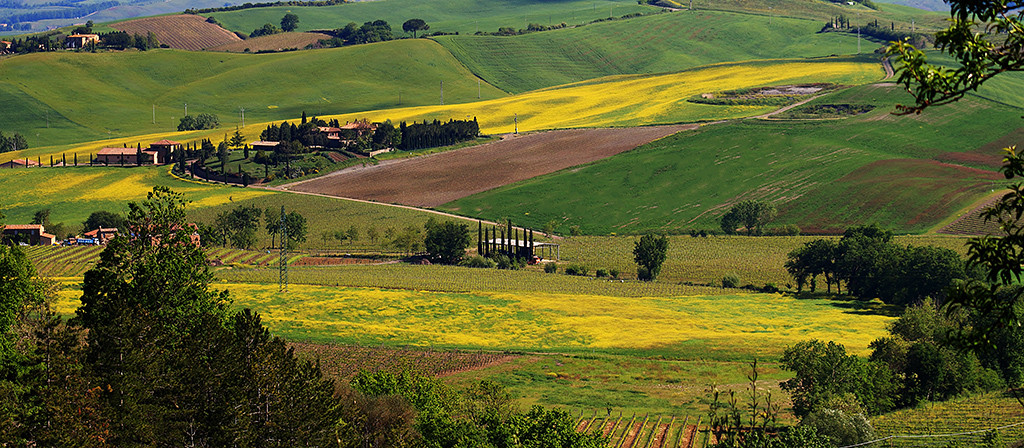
{"points": [[653, 44], [109, 95], [72, 194], [756, 260], [450, 16], [822, 175]]}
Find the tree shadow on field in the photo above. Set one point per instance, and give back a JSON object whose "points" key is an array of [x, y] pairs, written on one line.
{"points": [[854, 305]]}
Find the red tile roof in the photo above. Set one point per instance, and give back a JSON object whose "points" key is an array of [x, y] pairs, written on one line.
{"points": [[164, 142], [38, 227]]}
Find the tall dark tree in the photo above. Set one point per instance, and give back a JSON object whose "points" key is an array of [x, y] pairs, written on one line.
{"points": [[649, 253], [103, 218], [751, 215], [447, 242], [289, 22], [414, 25]]}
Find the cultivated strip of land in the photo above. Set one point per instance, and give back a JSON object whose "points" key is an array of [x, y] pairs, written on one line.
{"points": [[440, 178]]}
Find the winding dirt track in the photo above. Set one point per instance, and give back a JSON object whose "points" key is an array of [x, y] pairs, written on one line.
{"points": [[433, 180]]}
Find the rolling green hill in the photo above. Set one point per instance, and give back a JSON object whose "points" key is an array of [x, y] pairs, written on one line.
{"points": [[450, 16], [62, 98], [905, 173], [652, 44]]}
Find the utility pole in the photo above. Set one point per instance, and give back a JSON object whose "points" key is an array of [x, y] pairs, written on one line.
{"points": [[515, 119], [442, 93], [282, 279], [154, 114], [243, 116], [186, 109]]}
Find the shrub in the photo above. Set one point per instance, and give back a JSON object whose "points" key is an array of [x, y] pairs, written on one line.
{"points": [[601, 273], [614, 273], [478, 261], [551, 267], [731, 280], [503, 261], [770, 288], [786, 230], [643, 274], [843, 428], [576, 269]]}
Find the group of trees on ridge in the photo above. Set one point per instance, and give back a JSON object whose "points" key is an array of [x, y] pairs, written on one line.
{"points": [[16, 142], [873, 265]]}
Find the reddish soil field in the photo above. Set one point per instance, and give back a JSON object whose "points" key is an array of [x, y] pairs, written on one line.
{"points": [[184, 31], [972, 223], [273, 42], [433, 180]]}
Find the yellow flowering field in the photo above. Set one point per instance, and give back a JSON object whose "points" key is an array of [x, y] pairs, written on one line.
{"points": [[635, 100], [721, 326], [73, 193], [625, 100]]}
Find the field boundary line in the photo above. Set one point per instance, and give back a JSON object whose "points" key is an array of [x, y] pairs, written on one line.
{"points": [[408, 207], [932, 436]]}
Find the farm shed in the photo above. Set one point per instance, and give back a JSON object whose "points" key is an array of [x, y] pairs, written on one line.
{"points": [[101, 235], [81, 40], [127, 156], [19, 163], [545, 251], [165, 149], [264, 146], [34, 234], [513, 242]]}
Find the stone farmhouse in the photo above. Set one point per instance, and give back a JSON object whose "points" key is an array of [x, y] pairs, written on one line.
{"points": [[158, 153], [32, 234]]}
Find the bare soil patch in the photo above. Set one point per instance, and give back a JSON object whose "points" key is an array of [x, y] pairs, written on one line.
{"points": [[437, 179], [273, 42], [184, 31]]}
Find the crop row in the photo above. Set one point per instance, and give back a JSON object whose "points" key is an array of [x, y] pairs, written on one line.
{"points": [[462, 279], [645, 431], [63, 261], [344, 361], [974, 413]]}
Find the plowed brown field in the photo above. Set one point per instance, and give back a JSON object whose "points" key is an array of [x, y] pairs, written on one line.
{"points": [[183, 31], [273, 42], [433, 180]]}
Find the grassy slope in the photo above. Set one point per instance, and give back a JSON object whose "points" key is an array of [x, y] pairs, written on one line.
{"points": [[463, 16], [688, 180], [73, 193], [653, 44], [106, 95]]}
